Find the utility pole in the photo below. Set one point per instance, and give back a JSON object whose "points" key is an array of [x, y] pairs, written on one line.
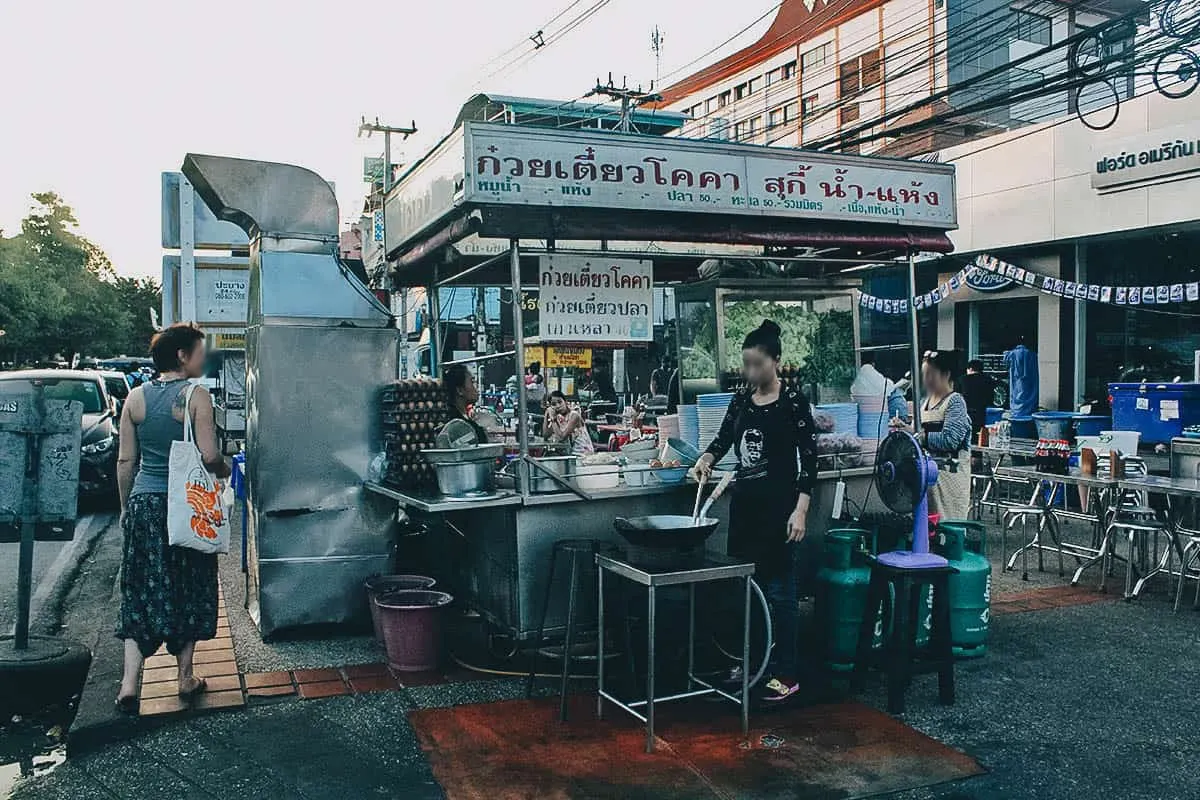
{"points": [[630, 99], [387, 130], [657, 38]]}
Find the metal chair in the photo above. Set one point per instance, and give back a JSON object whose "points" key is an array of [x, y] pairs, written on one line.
{"points": [[1044, 521], [582, 555]]}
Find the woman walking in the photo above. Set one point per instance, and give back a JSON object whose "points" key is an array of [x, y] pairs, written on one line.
{"points": [[771, 430], [168, 594]]}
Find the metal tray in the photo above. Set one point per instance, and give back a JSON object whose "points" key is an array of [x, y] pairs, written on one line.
{"points": [[457, 455]]}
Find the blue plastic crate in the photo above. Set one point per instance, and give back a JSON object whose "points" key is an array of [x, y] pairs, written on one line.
{"points": [[1159, 411]]}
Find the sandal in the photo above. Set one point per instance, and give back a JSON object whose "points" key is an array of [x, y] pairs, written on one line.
{"points": [[127, 705], [779, 690], [190, 694]]}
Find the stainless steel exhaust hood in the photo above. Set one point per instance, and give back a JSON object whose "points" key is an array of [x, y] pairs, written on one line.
{"points": [[318, 346]]}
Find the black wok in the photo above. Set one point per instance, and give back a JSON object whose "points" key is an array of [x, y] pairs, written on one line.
{"points": [[665, 531]]}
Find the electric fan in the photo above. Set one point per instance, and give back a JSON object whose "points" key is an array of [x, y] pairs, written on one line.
{"points": [[903, 474]]}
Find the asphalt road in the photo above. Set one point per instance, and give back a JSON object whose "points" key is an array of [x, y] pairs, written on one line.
{"points": [[54, 565]]}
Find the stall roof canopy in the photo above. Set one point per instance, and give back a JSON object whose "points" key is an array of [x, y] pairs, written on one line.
{"points": [[521, 181], [556, 114]]}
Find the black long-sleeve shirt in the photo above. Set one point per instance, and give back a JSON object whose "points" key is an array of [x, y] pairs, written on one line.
{"points": [[775, 443]]}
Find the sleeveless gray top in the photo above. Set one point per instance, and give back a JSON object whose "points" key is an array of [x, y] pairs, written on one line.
{"points": [[155, 433]]}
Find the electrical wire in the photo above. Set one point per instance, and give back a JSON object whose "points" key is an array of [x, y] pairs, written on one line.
{"points": [[523, 58], [709, 52]]}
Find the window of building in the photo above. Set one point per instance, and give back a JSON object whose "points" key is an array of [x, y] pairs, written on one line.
{"points": [[1033, 28], [816, 57], [752, 126], [710, 105], [739, 91], [808, 105], [849, 81], [775, 117], [723, 99], [754, 84], [739, 131], [789, 70], [872, 69], [848, 113], [862, 72], [791, 112], [774, 76]]}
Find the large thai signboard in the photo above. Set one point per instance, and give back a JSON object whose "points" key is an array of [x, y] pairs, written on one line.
{"points": [[532, 166], [583, 299], [490, 164]]}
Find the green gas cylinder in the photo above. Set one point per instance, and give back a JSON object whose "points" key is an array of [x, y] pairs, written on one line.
{"points": [[840, 599], [962, 543]]}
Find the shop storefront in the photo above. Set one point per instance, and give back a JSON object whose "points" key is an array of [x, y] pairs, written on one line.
{"points": [[1109, 212]]}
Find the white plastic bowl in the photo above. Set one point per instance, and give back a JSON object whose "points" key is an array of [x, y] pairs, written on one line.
{"points": [[597, 476]]}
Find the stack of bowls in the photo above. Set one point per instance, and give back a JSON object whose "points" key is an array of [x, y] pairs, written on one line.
{"points": [[712, 408], [689, 425], [872, 424]]}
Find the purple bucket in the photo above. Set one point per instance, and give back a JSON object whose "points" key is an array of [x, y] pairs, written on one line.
{"points": [[412, 628], [380, 584]]}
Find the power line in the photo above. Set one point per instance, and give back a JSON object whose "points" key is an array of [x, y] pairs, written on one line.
{"points": [[548, 39], [629, 98]]}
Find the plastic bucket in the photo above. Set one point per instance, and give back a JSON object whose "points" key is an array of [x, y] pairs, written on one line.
{"points": [[382, 584], [1023, 428], [994, 415], [412, 627], [1091, 425], [1053, 424]]}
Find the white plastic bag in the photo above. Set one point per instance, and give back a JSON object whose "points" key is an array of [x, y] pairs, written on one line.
{"points": [[196, 517]]}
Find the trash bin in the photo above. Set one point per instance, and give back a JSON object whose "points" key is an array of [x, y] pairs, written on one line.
{"points": [[412, 621], [381, 584]]}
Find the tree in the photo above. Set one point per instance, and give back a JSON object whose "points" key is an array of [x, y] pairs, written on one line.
{"points": [[59, 292]]}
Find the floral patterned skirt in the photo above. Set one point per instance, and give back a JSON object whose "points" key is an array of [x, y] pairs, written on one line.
{"points": [[168, 594]]}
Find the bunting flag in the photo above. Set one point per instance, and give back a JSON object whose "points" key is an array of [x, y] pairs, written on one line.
{"points": [[1167, 294]]}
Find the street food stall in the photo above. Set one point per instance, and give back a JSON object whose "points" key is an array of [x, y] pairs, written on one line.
{"points": [[592, 222]]}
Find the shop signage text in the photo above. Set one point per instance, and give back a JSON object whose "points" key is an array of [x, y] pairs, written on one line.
{"points": [[595, 300], [990, 282], [222, 295], [578, 357], [1149, 156], [515, 166]]}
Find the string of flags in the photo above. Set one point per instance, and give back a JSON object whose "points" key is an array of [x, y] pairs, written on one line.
{"points": [[994, 268]]}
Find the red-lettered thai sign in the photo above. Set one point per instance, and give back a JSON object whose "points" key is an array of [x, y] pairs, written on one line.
{"points": [[533, 166]]}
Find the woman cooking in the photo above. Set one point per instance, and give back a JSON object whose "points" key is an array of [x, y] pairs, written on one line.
{"points": [[771, 430], [945, 434], [461, 393]]}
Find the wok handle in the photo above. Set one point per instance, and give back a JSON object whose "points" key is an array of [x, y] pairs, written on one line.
{"points": [[712, 498]]}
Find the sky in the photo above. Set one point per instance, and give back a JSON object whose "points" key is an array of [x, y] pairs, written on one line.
{"points": [[99, 98]]}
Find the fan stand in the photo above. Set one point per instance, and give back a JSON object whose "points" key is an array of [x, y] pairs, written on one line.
{"points": [[919, 557]]}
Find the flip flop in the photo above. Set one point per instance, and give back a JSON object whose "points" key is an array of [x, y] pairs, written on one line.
{"points": [[190, 694], [127, 705], [778, 690]]}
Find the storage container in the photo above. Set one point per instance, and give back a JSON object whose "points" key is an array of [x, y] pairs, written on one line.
{"points": [[1158, 411], [1091, 425], [412, 623], [1053, 425]]}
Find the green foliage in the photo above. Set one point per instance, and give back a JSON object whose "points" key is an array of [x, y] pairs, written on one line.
{"points": [[60, 296], [798, 324]]}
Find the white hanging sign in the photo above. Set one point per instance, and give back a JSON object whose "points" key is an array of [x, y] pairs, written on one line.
{"points": [[582, 299]]}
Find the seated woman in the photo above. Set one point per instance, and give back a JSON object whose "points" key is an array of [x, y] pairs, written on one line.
{"points": [[564, 424], [945, 433]]}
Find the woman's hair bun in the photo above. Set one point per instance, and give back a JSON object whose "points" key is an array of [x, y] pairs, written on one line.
{"points": [[771, 327]]}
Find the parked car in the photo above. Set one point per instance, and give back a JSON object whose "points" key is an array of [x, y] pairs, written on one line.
{"points": [[98, 444], [118, 385]]}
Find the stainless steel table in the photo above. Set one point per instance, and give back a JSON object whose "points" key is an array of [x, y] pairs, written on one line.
{"points": [[714, 569], [1105, 490], [993, 457], [1171, 488]]}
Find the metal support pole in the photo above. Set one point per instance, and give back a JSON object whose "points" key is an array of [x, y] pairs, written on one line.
{"points": [[514, 261], [916, 342], [434, 301], [24, 583]]}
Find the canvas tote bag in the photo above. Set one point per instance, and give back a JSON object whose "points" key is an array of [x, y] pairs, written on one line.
{"points": [[196, 517]]}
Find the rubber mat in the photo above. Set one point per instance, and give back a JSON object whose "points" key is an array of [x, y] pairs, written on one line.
{"points": [[518, 749]]}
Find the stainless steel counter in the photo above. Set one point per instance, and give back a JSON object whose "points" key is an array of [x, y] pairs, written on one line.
{"points": [[496, 552]]}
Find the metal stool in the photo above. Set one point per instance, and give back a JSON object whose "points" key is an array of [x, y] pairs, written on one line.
{"points": [[1190, 558], [1135, 528], [1022, 514], [899, 657], [582, 553]]}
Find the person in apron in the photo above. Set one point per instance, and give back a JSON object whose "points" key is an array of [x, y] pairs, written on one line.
{"points": [[772, 432], [945, 433]]}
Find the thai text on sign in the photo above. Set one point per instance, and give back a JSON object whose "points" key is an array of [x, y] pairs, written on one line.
{"points": [[578, 357], [583, 299]]}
